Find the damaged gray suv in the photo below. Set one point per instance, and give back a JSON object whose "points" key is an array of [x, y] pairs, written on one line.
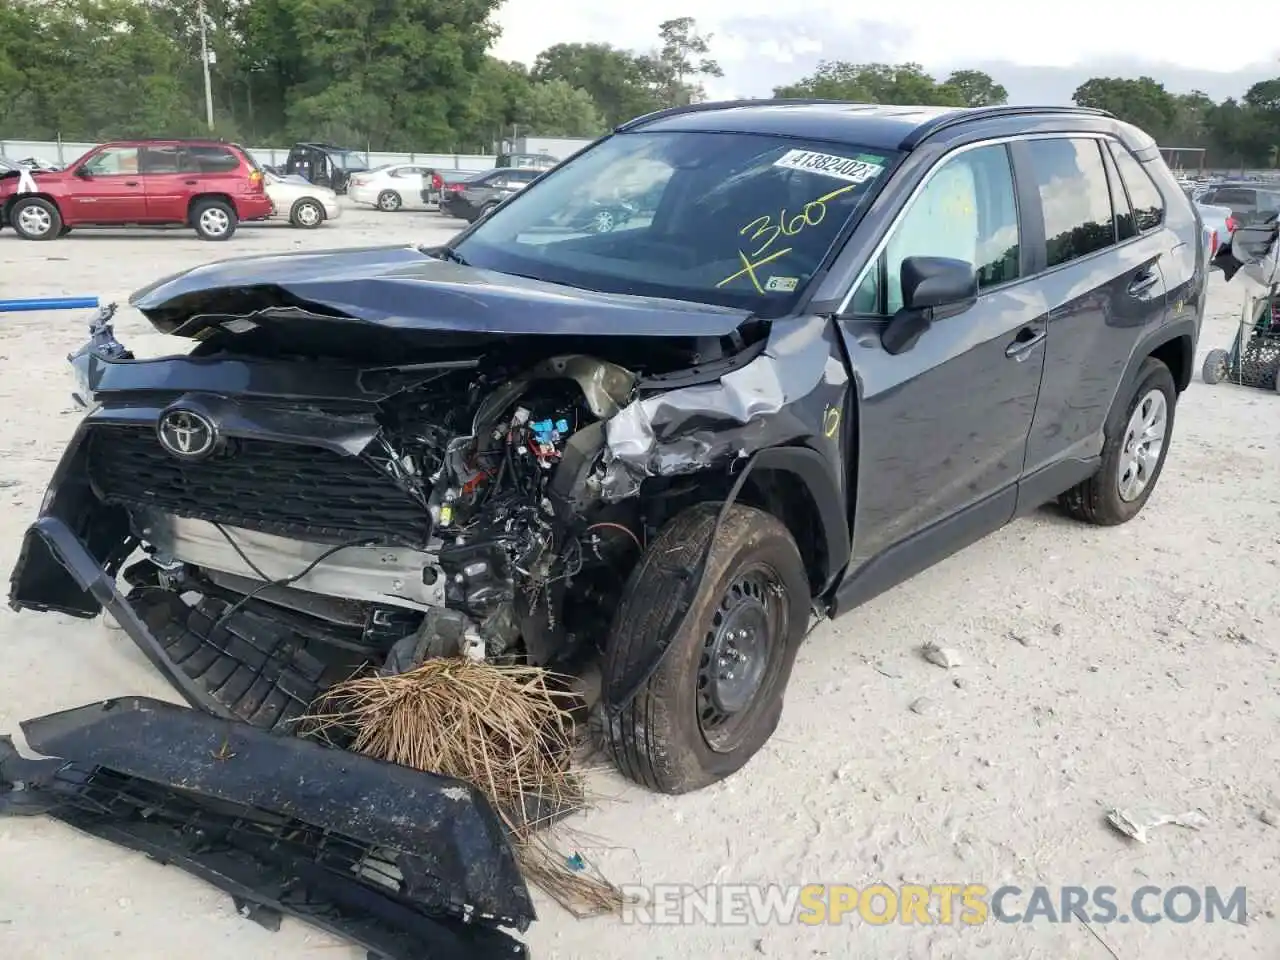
{"points": [[833, 345]]}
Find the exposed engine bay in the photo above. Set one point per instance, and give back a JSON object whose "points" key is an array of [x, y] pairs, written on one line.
{"points": [[515, 552]]}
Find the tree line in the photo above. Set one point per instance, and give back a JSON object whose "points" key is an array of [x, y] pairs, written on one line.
{"points": [[405, 75]]}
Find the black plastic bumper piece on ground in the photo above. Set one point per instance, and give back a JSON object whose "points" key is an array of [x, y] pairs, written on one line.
{"points": [[252, 670], [387, 857]]}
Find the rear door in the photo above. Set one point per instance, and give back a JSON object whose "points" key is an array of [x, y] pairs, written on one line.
{"points": [[943, 425], [1102, 281], [110, 189], [165, 182]]}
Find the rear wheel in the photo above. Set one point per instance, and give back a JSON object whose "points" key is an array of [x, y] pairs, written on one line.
{"points": [[716, 697], [1137, 441], [1215, 367], [389, 201], [306, 214], [35, 218], [214, 220]]}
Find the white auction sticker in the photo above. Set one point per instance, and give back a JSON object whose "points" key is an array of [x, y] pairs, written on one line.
{"points": [[852, 169]]}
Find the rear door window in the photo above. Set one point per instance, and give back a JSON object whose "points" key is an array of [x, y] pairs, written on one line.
{"points": [[1144, 196], [1078, 219], [160, 159]]}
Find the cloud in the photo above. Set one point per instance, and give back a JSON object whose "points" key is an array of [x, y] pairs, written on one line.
{"points": [[759, 53]]}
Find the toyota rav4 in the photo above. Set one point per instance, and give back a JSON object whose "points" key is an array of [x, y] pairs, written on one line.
{"points": [[845, 342], [205, 184]]}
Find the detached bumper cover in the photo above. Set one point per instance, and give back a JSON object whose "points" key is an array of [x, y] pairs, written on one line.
{"points": [[409, 865]]}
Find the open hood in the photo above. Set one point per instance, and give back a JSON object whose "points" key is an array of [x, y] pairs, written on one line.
{"points": [[407, 297]]}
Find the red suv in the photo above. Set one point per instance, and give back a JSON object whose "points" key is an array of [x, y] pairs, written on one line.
{"points": [[206, 184]]}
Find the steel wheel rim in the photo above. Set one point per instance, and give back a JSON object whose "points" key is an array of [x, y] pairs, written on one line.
{"points": [[603, 221], [739, 649], [35, 220], [308, 214], [214, 221], [389, 202], [1144, 438]]}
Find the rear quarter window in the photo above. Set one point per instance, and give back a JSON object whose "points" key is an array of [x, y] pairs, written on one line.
{"points": [[1144, 195], [212, 159]]}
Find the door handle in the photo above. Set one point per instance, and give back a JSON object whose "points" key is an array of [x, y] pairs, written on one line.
{"points": [[190, 183], [1144, 280], [1026, 341], [131, 183]]}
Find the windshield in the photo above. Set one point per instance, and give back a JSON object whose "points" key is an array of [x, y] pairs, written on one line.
{"points": [[741, 220]]}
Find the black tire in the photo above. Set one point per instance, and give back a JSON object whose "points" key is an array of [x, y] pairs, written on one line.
{"points": [[38, 210], [1098, 500], [214, 220], [389, 201], [487, 209], [307, 214], [674, 736], [1215, 367]]}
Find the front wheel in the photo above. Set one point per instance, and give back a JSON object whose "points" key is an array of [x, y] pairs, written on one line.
{"points": [[36, 219], [1137, 442], [214, 220], [716, 697]]}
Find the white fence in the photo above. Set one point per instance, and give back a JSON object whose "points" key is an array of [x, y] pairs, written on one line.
{"points": [[63, 152]]}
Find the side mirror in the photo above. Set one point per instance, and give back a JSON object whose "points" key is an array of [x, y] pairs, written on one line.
{"points": [[83, 173], [933, 288]]}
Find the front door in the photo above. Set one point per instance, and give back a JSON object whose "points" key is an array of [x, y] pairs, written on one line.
{"points": [[109, 188], [943, 426]]}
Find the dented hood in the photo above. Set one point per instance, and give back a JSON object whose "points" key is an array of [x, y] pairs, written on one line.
{"points": [[412, 296]]}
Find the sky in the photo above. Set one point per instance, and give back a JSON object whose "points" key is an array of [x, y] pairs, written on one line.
{"points": [[1040, 52]]}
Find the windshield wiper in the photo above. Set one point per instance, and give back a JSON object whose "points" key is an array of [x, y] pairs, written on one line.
{"points": [[448, 253]]}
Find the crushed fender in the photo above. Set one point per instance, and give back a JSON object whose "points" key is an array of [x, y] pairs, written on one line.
{"points": [[406, 864]]}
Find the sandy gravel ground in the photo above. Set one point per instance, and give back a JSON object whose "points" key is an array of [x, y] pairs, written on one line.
{"points": [[1136, 667]]}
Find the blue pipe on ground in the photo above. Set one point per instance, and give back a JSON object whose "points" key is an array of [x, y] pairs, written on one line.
{"points": [[49, 303]]}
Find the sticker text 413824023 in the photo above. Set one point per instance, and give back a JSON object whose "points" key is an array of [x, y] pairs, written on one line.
{"points": [[763, 232]]}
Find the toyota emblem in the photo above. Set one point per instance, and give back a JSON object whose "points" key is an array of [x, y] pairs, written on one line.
{"points": [[186, 434]]}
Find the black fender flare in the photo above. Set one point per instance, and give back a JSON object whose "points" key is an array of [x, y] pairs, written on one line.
{"points": [[1188, 328], [809, 467]]}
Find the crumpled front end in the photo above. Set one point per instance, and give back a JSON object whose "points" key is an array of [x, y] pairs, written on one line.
{"points": [[406, 864]]}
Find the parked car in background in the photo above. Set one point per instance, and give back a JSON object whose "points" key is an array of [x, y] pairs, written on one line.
{"points": [[526, 161], [325, 164], [481, 195], [392, 187], [35, 163], [305, 205], [1249, 201], [206, 184], [6, 165], [450, 181]]}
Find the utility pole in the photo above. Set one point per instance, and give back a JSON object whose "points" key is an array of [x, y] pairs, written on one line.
{"points": [[204, 62]]}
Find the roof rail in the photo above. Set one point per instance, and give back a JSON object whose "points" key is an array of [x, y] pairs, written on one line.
{"points": [[726, 105], [965, 115]]}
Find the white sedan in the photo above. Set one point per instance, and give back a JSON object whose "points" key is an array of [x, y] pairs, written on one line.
{"points": [[390, 188], [305, 205]]}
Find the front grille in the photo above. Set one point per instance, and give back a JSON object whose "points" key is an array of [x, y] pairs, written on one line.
{"points": [[281, 488]]}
